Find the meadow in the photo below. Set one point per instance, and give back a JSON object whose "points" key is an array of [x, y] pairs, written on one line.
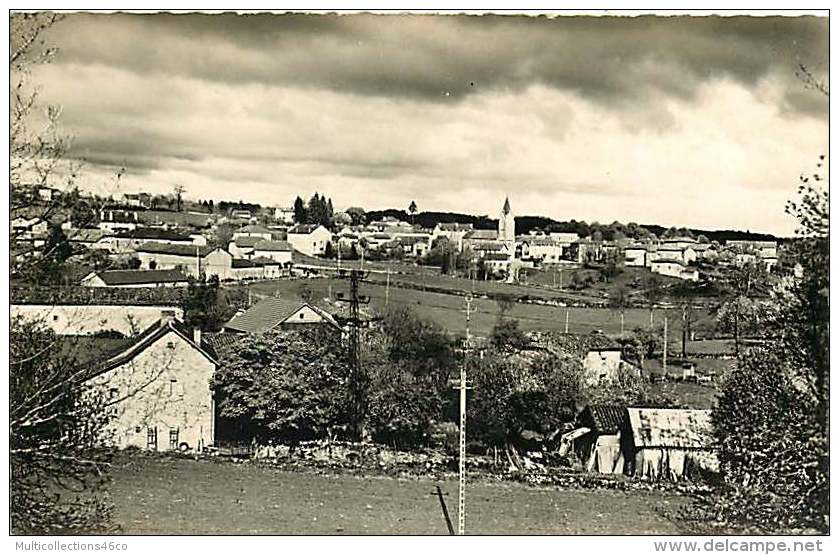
{"points": [[174, 495]]}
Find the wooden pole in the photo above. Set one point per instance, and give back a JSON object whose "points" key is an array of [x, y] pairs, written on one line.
{"points": [[566, 320], [445, 511]]}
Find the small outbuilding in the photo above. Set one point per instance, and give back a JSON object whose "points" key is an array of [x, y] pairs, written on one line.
{"points": [[667, 443], [600, 448]]}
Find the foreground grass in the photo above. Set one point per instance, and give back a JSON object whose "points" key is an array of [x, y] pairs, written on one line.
{"points": [[163, 495]]}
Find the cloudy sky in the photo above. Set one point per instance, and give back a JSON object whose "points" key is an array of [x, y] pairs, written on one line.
{"points": [[671, 120]]}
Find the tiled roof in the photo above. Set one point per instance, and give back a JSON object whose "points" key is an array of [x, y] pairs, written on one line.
{"points": [[482, 234], [247, 241], [154, 233], [496, 257], [455, 227], [178, 250], [253, 228], [264, 261], [605, 419], [269, 313], [141, 277], [668, 261], [685, 428], [303, 229], [273, 246], [148, 337]]}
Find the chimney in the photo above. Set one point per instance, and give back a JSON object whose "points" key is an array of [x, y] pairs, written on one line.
{"points": [[196, 336], [166, 317]]}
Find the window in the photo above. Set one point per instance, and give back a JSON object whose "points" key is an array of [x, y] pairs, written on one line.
{"points": [[173, 438], [302, 315], [55, 317]]}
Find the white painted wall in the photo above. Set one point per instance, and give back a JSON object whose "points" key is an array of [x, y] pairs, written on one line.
{"points": [[167, 386]]}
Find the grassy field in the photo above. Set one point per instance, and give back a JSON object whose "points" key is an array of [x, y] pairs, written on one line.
{"points": [[448, 309], [183, 496]]}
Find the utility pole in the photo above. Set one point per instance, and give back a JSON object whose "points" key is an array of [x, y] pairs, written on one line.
{"points": [[664, 356], [461, 497], [566, 320], [358, 379]]}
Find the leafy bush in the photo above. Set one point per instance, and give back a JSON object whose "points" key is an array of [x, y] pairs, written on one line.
{"points": [[771, 451], [283, 387], [512, 394]]}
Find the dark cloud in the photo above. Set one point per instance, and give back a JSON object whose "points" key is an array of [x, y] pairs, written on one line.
{"points": [[614, 60]]}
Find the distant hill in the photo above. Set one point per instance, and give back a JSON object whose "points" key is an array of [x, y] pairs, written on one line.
{"points": [[524, 224]]}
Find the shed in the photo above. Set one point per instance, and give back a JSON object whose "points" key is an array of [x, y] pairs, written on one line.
{"points": [[600, 448], [667, 443]]}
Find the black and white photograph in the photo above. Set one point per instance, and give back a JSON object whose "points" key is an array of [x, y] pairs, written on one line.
{"points": [[418, 272]]}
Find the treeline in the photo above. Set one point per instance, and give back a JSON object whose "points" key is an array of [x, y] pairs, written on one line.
{"points": [[607, 232], [318, 210]]}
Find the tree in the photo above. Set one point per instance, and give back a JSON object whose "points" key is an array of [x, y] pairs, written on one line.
{"points": [[223, 236], [410, 363], [771, 449], [300, 214], [356, 213], [511, 395], [619, 301], [284, 387], [740, 313], [178, 191], [205, 306], [412, 209], [305, 292], [55, 422], [805, 306], [772, 420]]}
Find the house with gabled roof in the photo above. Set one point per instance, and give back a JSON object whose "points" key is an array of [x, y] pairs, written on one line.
{"points": [[309, 239], [278, 251], [253, 230], [272, 313], [127, 279], [674, 268], [162, 256], [157, 387]]}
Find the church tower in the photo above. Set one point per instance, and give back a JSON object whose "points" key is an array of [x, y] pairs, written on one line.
{"points": [[507, 223]]}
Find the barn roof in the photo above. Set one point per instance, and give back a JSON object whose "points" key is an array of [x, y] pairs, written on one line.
{"points": [[154, 233], [679, 428], [604, 419], [141, 277], [253, 228], [177, 250], [134, 346], [273, 246], [247, 240], [269, 313], [303, 229]]}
